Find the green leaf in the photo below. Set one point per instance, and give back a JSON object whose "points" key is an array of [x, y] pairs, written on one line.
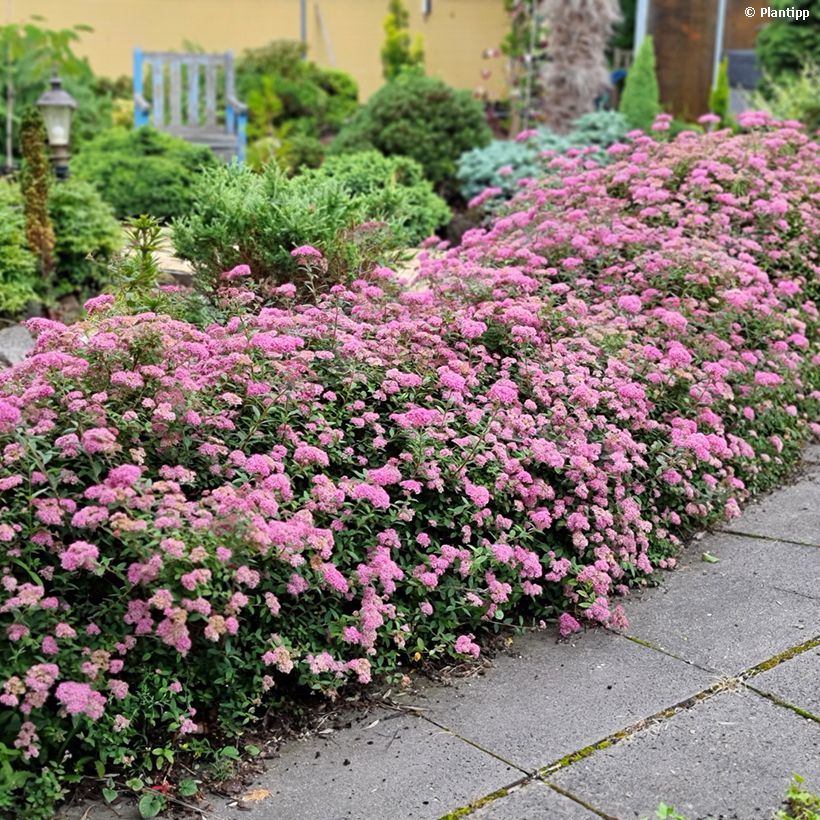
{"points": [[135, 784], [187, 787], [230, 751], [151, 804], [709, 558], [110, 795], [253, 751]]}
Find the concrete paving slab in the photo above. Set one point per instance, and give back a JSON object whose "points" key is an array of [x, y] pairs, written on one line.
{"points": [[555, 698], [796, 681], [15, 343], [533, 801], [790, 514], [730, 757], [761, 598], [812, 454], [124, 809], [403, 767]]}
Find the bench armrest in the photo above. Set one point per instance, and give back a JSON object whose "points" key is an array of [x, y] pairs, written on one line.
{"points": [[237, 106]]}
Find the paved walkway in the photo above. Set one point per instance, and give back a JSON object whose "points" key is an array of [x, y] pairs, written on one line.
{"points": [[710, 702]]}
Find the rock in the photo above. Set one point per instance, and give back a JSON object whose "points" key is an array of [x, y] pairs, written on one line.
{"points": [[15, 343]]}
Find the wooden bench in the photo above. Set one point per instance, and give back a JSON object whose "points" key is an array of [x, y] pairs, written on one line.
{"points": [[198, 120]]}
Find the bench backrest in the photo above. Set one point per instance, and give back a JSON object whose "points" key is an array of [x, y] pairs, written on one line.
{"points": [[175, 78]]}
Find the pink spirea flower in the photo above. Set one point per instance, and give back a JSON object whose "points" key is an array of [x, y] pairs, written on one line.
{"points": [[99, 440], [465, 645], [80, 699], [98, 304], [567, 625], [630, 304], [80, 555], [504, 391], [307, 252]]}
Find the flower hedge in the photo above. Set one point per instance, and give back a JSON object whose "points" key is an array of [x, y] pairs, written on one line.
{"points": [[192, 519]]}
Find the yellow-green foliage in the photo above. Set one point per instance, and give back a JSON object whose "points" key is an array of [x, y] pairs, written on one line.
{"points": [[399, 52], [719, 95]]}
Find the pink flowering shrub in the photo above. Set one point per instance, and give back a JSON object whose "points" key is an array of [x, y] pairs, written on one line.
{"points": [[194, 520]]}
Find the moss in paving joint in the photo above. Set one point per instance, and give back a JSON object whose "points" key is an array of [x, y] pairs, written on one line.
{"points": [[788, 654], [580, 801], [804, 713], [464, 811], [614, 738], [770, 538]]}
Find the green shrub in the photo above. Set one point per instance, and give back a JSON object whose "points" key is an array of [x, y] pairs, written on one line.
{"points": [[399, 52], [87, 235], [143, 171], [503, 163], [283, 90], [418, 117], [641, 102], [793, 97], [240, 217], [300, 151], [17, 263], [390, 187], [786, 44]]}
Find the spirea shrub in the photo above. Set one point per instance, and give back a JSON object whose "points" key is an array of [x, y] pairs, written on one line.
{"points": [[504, 164], [195, 520]]}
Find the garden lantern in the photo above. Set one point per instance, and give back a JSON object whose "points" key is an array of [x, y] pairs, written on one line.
{"points": [[57, 106]]}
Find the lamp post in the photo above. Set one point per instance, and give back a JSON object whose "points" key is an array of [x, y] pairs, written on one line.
{"points": [[57, 106]]}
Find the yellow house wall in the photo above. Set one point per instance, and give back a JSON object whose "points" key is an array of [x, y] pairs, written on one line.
{"points": [[345, 34]]}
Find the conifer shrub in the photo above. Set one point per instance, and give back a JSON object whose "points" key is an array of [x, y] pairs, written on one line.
{"points": [[240, 217], [390, 188], [640, 101], [719, 95]]}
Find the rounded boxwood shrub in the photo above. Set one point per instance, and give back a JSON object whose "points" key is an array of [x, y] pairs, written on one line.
{"points": [[142, 170], [391, 188], [419, 117]]}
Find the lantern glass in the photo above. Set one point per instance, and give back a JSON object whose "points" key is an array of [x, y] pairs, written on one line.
{"points": [[57, 120]]}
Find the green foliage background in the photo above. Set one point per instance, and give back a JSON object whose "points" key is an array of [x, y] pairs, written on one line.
{"points": [[422, 118], [143, 171], [784, 45]]}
